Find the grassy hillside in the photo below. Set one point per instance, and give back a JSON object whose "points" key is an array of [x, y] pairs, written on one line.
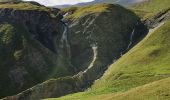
{"points": [[150, 7], [81, 11], [158, 90], [77, 12], [23, 6], [146, 62]]}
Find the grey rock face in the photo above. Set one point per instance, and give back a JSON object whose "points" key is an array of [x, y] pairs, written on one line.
{"points": [[39, 23], [37, 35]]}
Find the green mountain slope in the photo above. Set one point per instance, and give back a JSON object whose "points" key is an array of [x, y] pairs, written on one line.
{"points": [[146, 62], [158, 90], [150, 7], [19, 5]]}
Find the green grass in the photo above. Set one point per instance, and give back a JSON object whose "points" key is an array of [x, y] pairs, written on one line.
{"points": [[82, 11], [146, 62], [158, 90], [150, 7], [23, 6]]}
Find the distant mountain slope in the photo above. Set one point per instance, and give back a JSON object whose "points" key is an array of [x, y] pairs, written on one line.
{"points": [[121, 2], [150, 7]]}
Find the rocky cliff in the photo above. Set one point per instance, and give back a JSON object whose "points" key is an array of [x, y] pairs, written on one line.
{"points": [[93, 37], [30, 48]]}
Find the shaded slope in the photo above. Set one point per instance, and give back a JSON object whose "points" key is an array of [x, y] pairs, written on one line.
{"points": [[146, 62], [29, 46], [98, 25]]}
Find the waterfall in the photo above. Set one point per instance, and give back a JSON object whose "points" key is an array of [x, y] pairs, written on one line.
{"points": [[130, 43], [65, 46], [66, 14], [64, 40], [94, 48], [131, 39], [95, 52]]}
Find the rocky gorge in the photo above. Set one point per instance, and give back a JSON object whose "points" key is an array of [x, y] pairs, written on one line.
{"points": [[68, 53]]}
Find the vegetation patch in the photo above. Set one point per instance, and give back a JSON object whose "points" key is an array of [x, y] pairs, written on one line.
{"points": [[23, 6], [149, 8]]}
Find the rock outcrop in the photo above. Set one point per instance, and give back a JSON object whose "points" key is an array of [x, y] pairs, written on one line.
{"points": [[158, 18], [30, 49]]}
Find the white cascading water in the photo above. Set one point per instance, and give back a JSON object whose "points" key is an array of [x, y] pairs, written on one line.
{"points": [[65, 46], [64, 40], [131, 39], [130, 43], [94, 48], [149, 33], [66, 14]]}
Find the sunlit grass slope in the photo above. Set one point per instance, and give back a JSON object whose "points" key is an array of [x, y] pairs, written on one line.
{"points": [[158, 90], [150, 7], [146, 62]]}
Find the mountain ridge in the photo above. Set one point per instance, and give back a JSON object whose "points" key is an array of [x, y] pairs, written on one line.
{"points": [[121, 2]]}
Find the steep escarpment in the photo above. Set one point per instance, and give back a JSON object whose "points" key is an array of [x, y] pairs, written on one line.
{"points": [[97, 36], [147, 62], [104, 34], [29, 46], [108, 28]]}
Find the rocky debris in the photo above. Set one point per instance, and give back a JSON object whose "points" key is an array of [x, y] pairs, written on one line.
{"points": [[158, 18]]}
